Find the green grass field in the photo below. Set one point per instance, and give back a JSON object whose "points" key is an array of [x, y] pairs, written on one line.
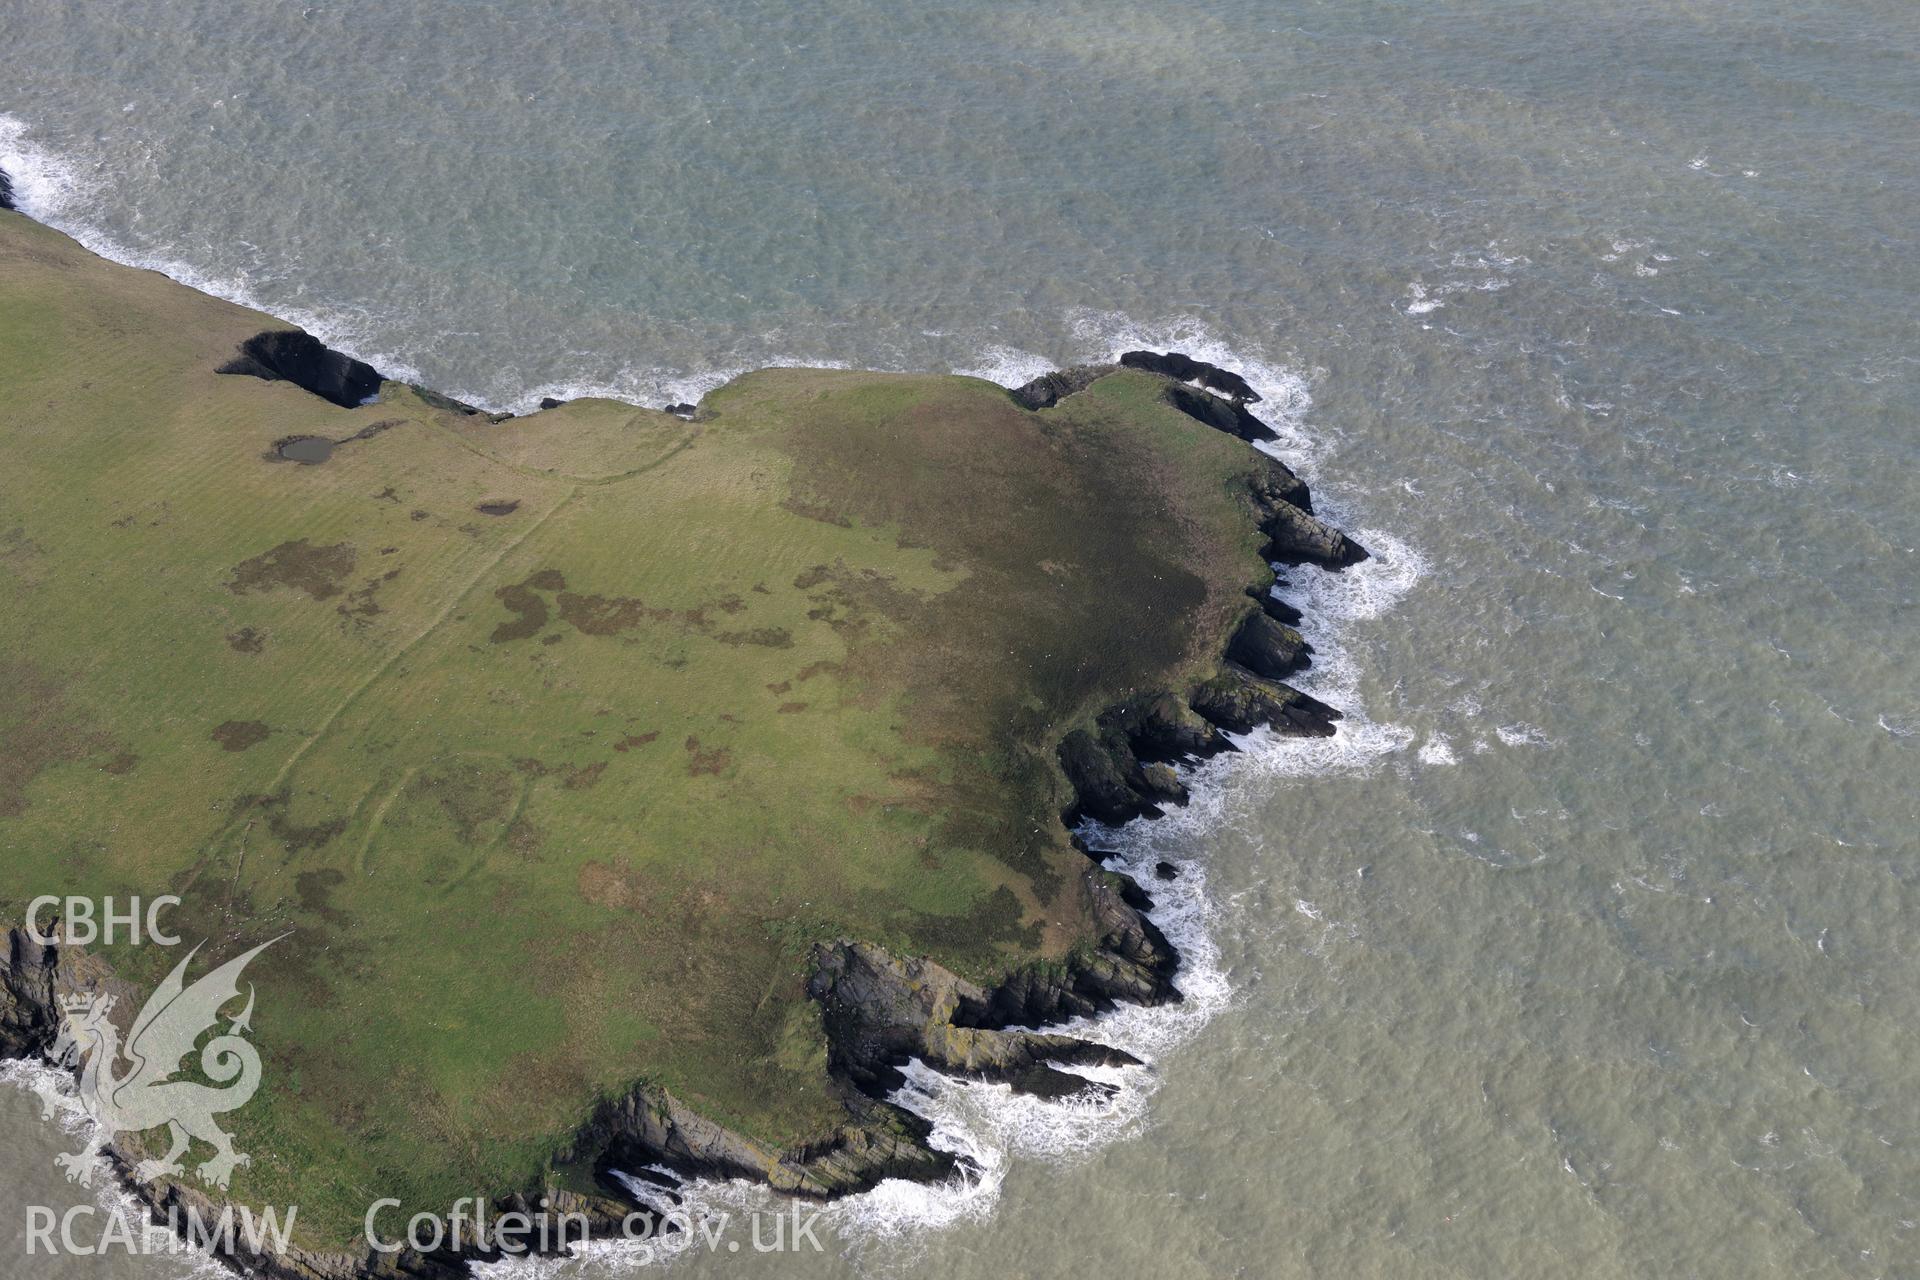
{"points": [[555, 801]]}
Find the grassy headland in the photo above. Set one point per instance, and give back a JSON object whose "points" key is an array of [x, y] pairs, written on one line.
{"points": [[559, 743]]}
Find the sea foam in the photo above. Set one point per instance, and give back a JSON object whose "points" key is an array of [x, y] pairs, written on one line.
{"points": [[986, 1126], [989, 1127]]}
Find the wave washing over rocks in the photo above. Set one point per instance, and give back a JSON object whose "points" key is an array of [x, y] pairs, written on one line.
{"points": [[985, 1126], [989, 1126], [55, 1092]]}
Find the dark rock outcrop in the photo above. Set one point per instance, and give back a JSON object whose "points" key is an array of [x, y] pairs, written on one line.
{"points": [[1108, 783], [1222, 415], [1299, 538], [881, 1011], [1122, 768], [291, 355], [1050, 389], [6, 190], [1240, 702], [682, 410], [550, 402], [1276, 483], [1133, 963], [1276, 608], [651, 1127], [1182, 367], [1159, 727], [29, 1017], [1268, 648]]}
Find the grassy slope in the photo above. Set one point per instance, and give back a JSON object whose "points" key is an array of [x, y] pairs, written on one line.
{"points": [[555, 801]]}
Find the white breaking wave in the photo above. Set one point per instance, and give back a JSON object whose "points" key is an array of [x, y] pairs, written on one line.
{"points": [[59, 191], [1008, 366], [985, 1125], [58, 1094], [1285, 392], [989, 1126]]}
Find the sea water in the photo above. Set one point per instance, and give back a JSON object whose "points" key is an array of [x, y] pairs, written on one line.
{"points": [[1585, 948]]}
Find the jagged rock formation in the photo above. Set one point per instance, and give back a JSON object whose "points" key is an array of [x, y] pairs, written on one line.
{"points": [[6, 190], [1182, 367], [1121, 768], [1269, 648], [1240, 702], [1301, 538], [1222, 415]]}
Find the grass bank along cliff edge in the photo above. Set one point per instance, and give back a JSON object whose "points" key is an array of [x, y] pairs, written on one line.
{"points": [[638, 788]]}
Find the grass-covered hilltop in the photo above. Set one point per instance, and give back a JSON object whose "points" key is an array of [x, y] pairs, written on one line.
{"points": [[630, 787]]}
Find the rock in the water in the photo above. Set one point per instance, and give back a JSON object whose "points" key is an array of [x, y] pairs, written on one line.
{"points": [[1276, 608], [1050, 389], [1184, 368], [1162, 784], [1166, 871], [6, 190], [291, 355], [683, 410], [1240, 702], [1268, 648], [550, 402], [1299, 538]]}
